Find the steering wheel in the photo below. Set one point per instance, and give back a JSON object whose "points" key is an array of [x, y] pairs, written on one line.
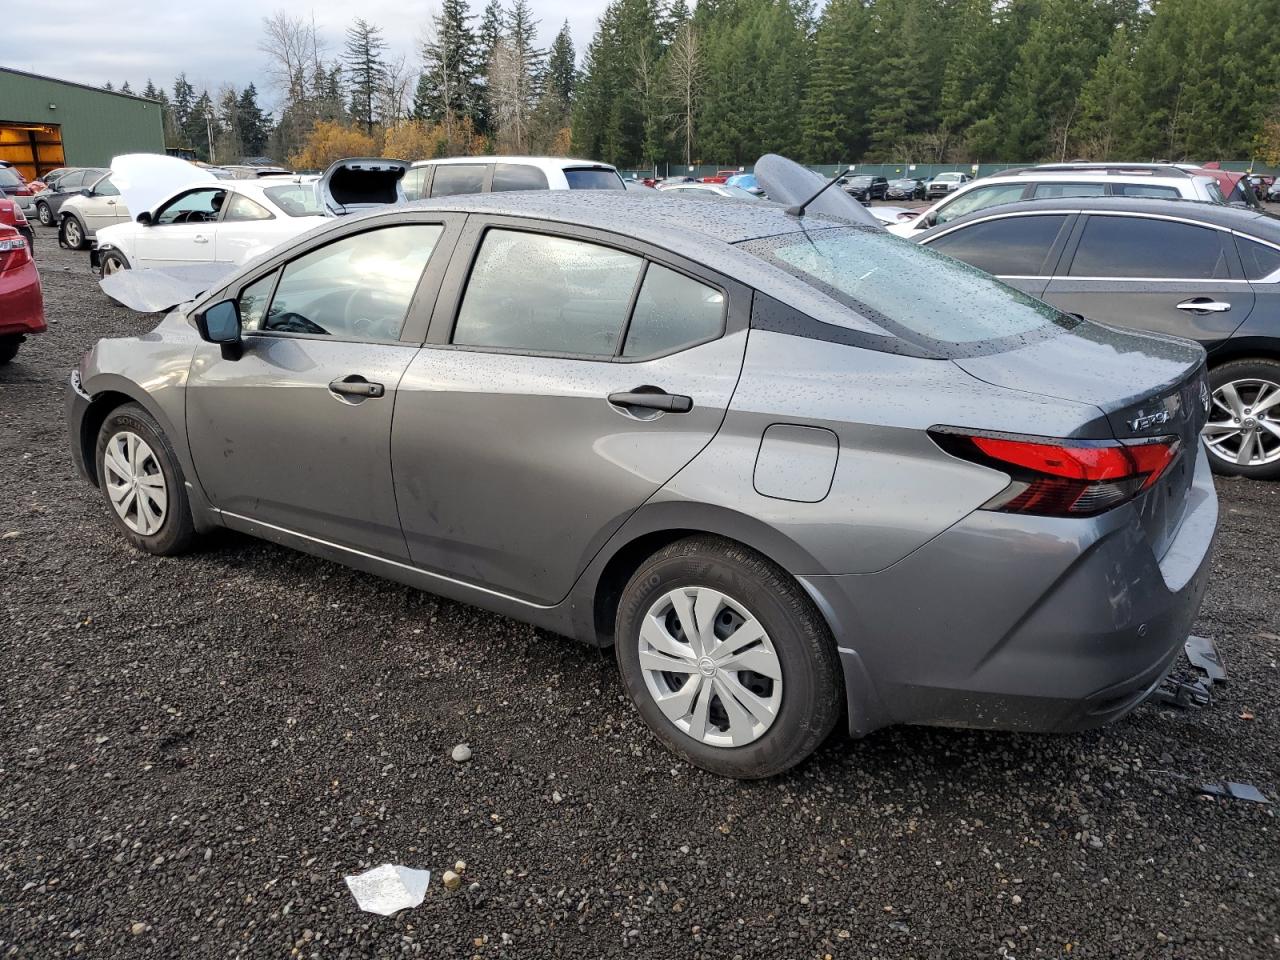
{"points": [[356, 315]]}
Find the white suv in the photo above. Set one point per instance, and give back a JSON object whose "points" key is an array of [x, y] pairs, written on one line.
{"points": [[1063, 180], [454, 175]]}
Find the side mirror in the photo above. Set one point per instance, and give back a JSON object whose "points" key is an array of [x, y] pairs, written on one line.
{"points": [[220, 324], [144, 218], [86, 192]]}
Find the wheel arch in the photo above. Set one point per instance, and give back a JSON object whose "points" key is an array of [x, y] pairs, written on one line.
{"points": [[1245, 348]]}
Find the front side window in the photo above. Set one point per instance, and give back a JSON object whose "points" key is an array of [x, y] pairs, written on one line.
{"points": [[197, 206], [240, 207], [1138, 247], [253, 302], [517, 176], [978, 199], [105, 188], [672, 311], [1008, 247], [909, 290], [70, 183], [593, 178], [1061, 191], [359, 287], [455, 178], [545, 294]]}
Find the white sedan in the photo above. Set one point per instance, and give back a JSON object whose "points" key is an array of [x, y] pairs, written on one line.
{"points": [[220, 221]]}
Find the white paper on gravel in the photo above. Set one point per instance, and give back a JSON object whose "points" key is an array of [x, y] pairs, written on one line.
{"points": [[389, 888]]}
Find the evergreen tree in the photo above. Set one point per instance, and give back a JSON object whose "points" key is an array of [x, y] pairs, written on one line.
{"points": [[833, 117], [562, 66], [492, 25], [201, 129], [366, 69], [449, 86], [255, 126], [184, 98], [972, 79], [125, 88], [230, 142]]}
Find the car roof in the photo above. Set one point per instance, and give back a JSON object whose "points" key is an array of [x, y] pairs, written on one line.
{"points": [[557, 162], [1246, 220]]}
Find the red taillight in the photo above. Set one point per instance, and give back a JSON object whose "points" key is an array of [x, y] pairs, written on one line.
{"points": [[13, 253], [1064, 478]]}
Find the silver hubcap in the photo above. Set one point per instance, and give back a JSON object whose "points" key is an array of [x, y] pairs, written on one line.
{"points": [[109, 266], [1244, 423], [73, 232], [710, 667], [135, 483]]}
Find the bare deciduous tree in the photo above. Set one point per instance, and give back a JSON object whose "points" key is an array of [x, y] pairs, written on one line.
{"points": [[684, 79], [508, 96]]}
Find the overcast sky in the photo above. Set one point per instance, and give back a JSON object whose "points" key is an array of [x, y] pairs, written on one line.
{"points": [[216, 41]]}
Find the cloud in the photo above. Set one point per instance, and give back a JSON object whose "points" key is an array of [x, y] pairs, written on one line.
{"points": [[217, 43]]}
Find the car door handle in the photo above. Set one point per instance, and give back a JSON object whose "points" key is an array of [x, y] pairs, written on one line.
{"points": [[653, 400], [357, 386], [201, 238], [1204, 305]]}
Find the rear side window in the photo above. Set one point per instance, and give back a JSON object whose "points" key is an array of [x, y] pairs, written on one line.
{"points": [[1059, 191], [517, 176], [359, 287], [1138, 247], [1008, 247], [413, 181], [593, 178], [545, 294], [979, 198], [1259, 260], [242, 208], [296, 199], [9, 178], [1144, 190], [672, 311], [454, 178]]}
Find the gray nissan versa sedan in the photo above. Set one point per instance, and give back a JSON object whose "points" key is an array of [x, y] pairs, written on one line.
{"points": [[792, 468]]}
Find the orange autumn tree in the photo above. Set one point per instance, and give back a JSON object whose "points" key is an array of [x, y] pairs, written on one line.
{"points": [[329, 141], [416, 140]]}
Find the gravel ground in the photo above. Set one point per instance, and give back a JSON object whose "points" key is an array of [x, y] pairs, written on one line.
{"points": [[195, 751]]}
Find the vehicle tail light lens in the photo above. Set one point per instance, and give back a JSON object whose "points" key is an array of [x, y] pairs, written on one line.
{"points": [[18, 215], [13, 253], [1064, 478]]}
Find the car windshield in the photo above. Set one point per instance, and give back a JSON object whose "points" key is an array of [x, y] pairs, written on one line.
{"points": [[593, 178], [917, 294], [296, 199], [904, 183], [947, 176]]}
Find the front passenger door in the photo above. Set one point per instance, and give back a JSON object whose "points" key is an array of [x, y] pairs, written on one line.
{"points": [[296, 432]]}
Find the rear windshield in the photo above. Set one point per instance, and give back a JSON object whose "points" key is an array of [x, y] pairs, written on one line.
{"points": [[296, 199], [911, 291], [593, 178], [9, 178]]}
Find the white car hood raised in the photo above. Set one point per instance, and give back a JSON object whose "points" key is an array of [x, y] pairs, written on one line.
{"points": [[144, 179]]}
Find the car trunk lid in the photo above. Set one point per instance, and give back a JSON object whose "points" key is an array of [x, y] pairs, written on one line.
{"points": [[356, 184], [1147, 386]]}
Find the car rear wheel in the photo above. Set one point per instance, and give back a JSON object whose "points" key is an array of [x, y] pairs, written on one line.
{"points": [[72, 233], [1243, 430], [142, 482], [9, 347], [44, 214], [727, 659]]}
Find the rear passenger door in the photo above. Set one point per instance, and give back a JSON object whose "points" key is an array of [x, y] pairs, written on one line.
{"points": [[1162, 274], [568, 375]]}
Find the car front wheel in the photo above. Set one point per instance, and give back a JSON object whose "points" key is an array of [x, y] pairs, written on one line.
{"points": [[44, 214], [726, 659], [111, 261], [142, 482], [1243, 430]]}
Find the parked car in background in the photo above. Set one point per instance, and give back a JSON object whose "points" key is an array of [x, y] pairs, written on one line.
{"points": [[247, 171], [747, 182], [455, 175], [11, 215], [17, 188], [67, 185], [21, 299], [945, 183], [717, 191], [905, 189], [1207, 272], [97, 205], [865, 188], [1273, 191], [1060, 181], [721, 176], [734, 448], [892, 215], [638, 186]]}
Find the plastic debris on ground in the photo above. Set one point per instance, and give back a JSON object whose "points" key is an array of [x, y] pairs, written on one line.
{"points": [[1231, 790], [389, 888]]}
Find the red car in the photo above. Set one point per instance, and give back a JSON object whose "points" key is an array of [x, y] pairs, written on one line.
{"points": [[720, 177], [11, 214], [21, 299]]}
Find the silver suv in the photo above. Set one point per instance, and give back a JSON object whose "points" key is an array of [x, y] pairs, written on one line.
{"points": [[1064, 180]]}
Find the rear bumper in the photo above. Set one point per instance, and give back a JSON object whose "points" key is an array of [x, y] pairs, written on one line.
{"points": [[21, 301], [1022, 623]]}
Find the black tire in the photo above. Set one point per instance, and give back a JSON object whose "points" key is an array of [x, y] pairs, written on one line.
{"points": [[72, 227], [176, 531], [1240, 371], [9, 347], [117, 260], [812, 695], [44, 214]]}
